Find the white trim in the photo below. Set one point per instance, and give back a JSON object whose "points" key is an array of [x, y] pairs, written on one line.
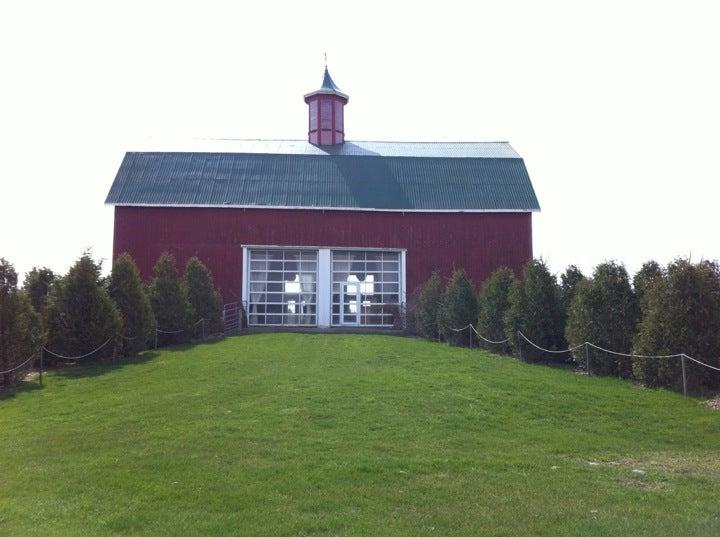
{"points": [[323, 298], [245, 293], [301, 207], [323, 279], [314, 247], [402, 276]]}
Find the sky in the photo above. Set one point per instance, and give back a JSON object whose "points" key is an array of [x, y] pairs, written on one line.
{"points": [[615, 106]]}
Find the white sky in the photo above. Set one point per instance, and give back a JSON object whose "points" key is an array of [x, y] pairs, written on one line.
{"points": [[613, 105]]}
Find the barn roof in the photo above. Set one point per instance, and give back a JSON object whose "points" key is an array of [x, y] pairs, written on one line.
{"points": [[389, 176]]}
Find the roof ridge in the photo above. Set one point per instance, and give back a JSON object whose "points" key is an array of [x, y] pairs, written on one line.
{"points": [[358, 141]]}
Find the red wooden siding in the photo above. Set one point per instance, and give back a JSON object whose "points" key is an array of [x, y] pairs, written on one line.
{"points": [[479, 242]]}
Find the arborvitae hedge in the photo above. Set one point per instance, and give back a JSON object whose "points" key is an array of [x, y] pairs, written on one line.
{"points": [[37, 285], [426, 307], [458, 308], [169, 301], [130, 296], [604, 311], [204, 298], [569, 281], [536, 310], [645, 277], [681, 314], [493, 304], [81, 316], [20, 327]]}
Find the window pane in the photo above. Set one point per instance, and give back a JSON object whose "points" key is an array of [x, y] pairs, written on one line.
{"points": [[290, 293]]}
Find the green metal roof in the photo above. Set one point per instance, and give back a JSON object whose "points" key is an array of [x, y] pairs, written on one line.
{"points": [[357, 177]]}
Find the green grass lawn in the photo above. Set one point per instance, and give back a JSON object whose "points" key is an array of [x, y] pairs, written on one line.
{"points": [[313, 434]]}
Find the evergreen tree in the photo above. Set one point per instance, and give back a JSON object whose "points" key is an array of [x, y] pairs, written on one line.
{"points": [[458, 308], [130, 297], [569, 281], [81, 316], [37, 285], [493, 303], [681, 314], [536, 311], [604, 311], [643, 280], [204, 298], [426, 307], [20, 326], [169, 301]]}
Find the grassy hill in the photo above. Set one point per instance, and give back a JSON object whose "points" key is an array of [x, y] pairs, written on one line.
{"points": [[312, 434]]}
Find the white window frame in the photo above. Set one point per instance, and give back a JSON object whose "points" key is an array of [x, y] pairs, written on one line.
{"points": [[323, 280]]}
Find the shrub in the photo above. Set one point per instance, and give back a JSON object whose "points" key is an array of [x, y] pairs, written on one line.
{"points": [[645, 277], [81, 316], [37, 285], [536, 310], [493, 303], [130, 297], [20, 326], [169, 301], [569, 281], [458, 308], [604, 311], [204, 298], [681, 314], [426, 307]]}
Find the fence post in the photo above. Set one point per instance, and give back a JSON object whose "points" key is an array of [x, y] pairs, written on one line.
{"points": [[42, 354], [520, 347], [156, 334], [471, 338], [587, 359], [682, 361]]}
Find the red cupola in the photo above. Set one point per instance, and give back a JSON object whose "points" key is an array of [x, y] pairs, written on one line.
{"points": [[325, 111]]}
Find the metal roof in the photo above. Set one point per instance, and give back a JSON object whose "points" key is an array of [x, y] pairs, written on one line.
{"points": [[348, 148], [327, 83], [328, 88], [356, 175]]}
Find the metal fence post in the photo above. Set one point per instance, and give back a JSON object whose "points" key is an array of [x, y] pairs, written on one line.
{"points": [[470, 333], [682, 361], [42, 354], [156, 334], [587, 359]]}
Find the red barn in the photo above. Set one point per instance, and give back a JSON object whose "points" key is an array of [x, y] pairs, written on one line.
{"points": [[327, 232]]}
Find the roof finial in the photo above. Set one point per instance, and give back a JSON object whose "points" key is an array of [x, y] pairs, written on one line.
{"points": [[325, 53]]}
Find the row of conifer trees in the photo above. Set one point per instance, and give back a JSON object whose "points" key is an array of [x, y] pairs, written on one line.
{"points": [[74, 314], [662, 311]]}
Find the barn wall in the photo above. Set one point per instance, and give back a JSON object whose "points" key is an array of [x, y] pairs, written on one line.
{"points": [[479, 242]]}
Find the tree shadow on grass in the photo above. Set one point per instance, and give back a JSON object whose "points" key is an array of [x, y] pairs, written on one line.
{"points": [[96, 369], [29, 385]]}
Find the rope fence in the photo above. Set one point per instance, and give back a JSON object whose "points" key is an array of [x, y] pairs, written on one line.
{"points": [[43, 349], [587, 345], [32, 357]]}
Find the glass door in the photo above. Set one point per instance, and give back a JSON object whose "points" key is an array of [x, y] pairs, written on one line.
{"points": [[350, 307]]}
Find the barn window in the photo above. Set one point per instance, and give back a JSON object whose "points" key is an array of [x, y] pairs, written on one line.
{"points": [[365, 287], [282, 287]]}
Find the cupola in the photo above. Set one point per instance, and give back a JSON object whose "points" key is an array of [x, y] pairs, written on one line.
{"points": [[326, 124]]}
